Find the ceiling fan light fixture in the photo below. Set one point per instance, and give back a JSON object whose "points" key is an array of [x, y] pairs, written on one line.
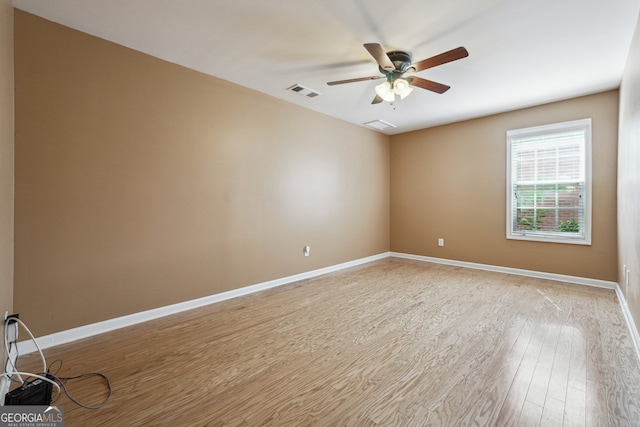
{"points": [[406, 92], [401, 87], [385, 91]]}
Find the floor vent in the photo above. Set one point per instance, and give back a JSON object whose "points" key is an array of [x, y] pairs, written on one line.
{"points": [[303, 91]]}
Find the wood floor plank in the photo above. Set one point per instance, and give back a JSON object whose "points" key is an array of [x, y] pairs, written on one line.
{"points": [[577, 378], [515, 399], [394, 342], [559, 380], [575, 408], [531, 415], [539, 385], [552, 413]]}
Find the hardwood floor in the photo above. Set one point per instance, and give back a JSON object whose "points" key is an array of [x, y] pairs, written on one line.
{"points": [[391, 343]]}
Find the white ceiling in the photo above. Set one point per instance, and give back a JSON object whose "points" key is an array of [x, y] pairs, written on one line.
{"points": [[521, 52]]}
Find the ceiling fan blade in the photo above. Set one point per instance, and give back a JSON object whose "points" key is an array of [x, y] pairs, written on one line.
{"points": [[380, 56], [359, 79], [428, 85], [377, 100], [443, 58]]}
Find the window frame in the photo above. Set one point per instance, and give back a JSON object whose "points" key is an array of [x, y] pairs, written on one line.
{"points": [[552, 237]]}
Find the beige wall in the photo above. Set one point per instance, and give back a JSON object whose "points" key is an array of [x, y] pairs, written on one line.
{"points": [[629, 179], [140, 183], [449, 182], [6, 160]]}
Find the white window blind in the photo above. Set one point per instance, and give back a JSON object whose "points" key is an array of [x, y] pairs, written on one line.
{"points": [[548, 190]]}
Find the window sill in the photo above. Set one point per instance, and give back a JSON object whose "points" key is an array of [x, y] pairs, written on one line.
{"points": [[549, 239]]}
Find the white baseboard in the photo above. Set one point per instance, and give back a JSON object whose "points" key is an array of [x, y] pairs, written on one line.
{"points": [[635, 337], [508, 270], [86, 331]]}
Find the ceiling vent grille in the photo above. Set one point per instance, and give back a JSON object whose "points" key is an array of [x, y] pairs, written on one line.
{"points": [[303, 91], [379, 125]]}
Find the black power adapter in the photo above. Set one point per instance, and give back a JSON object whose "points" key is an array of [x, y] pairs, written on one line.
{"points": [[35, 392]]}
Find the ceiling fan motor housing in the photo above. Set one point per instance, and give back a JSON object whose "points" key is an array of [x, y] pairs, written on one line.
{"points": [[401, 60]]}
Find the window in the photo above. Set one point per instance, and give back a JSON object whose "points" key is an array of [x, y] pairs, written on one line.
{"points": [[549, 183]]}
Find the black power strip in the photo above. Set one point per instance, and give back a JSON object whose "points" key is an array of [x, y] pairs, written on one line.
{"points": [[36, 392]]}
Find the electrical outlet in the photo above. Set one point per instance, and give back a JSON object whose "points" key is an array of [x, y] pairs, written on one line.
{"points": [[12, 332], [440, 241], [307, 250], [11, 327]]}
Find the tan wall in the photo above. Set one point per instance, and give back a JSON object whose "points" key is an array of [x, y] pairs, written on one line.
{"points": [[6, 160], [629, 179], [449, 182], [140, 183]]}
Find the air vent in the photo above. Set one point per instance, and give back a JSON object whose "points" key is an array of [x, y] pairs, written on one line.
{"points": [[379, 125], [303, 91]]}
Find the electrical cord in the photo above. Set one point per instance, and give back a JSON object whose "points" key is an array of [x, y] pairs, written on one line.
{"points": [[12, 347], [58, 382], [63, 381]]}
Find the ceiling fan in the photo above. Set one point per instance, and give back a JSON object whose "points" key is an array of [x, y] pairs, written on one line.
{"points": [[395, 64]]}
